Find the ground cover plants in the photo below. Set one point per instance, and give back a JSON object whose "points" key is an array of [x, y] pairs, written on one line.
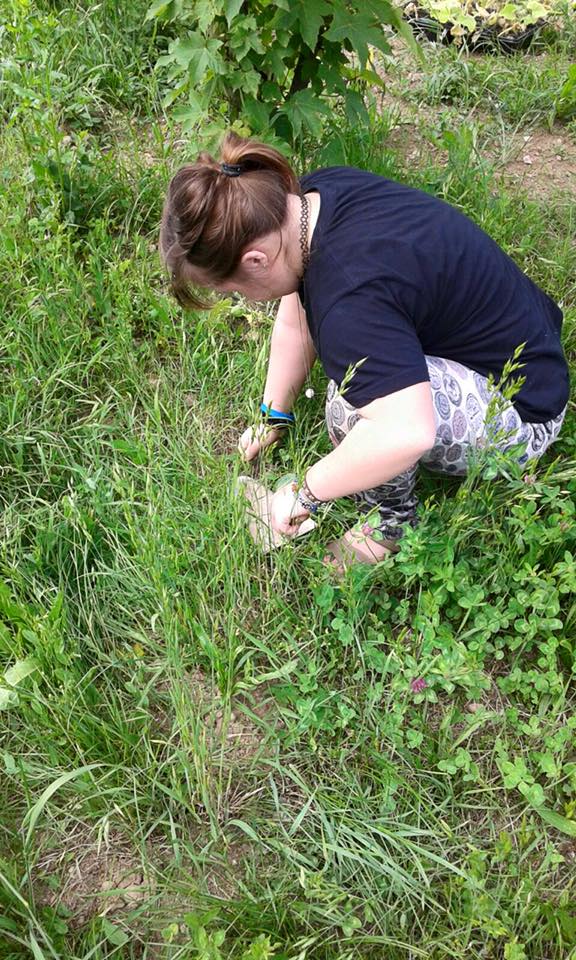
{"points": [[206, 753]]}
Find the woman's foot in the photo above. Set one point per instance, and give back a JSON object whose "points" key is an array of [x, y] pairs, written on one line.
{"points": [[356, 546]]}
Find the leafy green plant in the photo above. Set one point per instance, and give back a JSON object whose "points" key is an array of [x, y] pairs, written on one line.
{"points": [[467, 19], [272, 66]]}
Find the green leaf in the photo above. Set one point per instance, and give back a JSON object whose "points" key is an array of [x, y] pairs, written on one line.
{"points": [[195, 110], [256, 113], [244, 38], [275, 64], [132, 449], [366, 76], [515, 951], [8, 698], [565, 109], [37, 951], [159, 9], [231, 9], [354, 106], [114, 934], [556, 820], [173, 94], [472, 598], [384, 11], [533, 793], [20, 670], [304, 111], [514, 773], [359, 29], [271, 91], [13, 676], [310, 15], [198, 55], [547, 764], [10, 764], [205, 12]]}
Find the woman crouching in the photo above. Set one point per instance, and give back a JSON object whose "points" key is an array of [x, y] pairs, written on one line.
{"points": [[412, 310]]}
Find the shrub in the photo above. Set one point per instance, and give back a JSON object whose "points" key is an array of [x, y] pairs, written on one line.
{"points": [[274, 65]]}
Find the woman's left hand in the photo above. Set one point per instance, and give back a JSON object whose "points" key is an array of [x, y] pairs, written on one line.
{"points": [[287, 513]]}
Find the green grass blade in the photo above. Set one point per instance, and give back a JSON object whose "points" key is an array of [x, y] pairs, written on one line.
{"points": [[33, 814]]}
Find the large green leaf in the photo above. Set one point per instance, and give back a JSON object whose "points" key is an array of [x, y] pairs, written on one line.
{"points": [[198, 55], [231, 9], [244, 38], [310, 15], [162, 10], [192, 112], [257, 114], [360, 29], [275, 63], [159, 9], [305, 111], [205, 12]]}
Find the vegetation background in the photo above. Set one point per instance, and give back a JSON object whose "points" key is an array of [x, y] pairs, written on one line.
{"points": [[207, 753]]}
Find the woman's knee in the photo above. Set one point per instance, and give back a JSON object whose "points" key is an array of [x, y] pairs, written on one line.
{"points": [[341, 416]]}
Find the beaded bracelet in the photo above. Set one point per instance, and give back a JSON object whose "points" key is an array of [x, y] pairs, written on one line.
{"points": [[276, 418], [306, 498]]}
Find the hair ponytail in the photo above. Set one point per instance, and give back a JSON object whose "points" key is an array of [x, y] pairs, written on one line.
{"points": [[213, 210]]}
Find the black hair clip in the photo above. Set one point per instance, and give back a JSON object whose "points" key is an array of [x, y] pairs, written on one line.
{"points": [[232, 169]]}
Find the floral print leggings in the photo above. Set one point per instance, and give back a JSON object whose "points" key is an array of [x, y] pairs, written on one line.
{"points": [[461, 397]]}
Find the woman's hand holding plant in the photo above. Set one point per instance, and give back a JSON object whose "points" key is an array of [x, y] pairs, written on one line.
{"points": [[255, 439], [287, 513]]}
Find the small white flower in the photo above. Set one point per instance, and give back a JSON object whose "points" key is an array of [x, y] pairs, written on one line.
{"points": [[309, 393]]}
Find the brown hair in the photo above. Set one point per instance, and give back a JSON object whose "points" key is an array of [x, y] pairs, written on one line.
{"points": [[210, 217]]}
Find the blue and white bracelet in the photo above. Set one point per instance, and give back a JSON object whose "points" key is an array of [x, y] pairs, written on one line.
{"points": [[276, 418]]}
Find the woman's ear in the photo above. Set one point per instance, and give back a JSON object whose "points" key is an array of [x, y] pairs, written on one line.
{"points": [[254, 260]]}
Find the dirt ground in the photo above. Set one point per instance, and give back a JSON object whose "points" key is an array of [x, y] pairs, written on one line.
{"points": [[537, 159], [543, 162], [91, 876]]}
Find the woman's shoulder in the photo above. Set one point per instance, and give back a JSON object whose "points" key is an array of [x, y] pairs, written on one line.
{"points": [[339, 177]]}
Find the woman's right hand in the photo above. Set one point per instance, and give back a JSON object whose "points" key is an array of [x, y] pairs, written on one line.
{"points": [[255, 439]]}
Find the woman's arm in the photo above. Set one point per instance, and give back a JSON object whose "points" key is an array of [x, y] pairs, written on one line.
{"points": [[394, 432], [292, 355]]}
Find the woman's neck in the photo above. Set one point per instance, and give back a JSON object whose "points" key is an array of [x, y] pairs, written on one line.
{"points": [[291, 231]]}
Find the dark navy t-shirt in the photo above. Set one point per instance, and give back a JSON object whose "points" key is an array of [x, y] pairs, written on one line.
{"points": [[395, 274]]}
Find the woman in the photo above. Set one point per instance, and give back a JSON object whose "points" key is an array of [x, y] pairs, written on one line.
{"points": [[409, 306]]}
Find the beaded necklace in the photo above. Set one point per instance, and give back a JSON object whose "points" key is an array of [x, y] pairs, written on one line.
{"points": [[304, 225]]}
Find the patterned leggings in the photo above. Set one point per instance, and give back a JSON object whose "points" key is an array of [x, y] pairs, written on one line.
{"points": [[461, 397]]}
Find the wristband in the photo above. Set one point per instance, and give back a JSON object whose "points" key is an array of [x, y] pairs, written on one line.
{"points": [[276, 418], [306, 498]]}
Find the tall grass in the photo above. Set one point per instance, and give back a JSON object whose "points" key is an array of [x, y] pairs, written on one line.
{"points": [[235, 738]]}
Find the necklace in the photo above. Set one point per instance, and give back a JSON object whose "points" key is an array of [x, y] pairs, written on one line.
{"points": [[305, 253], [304, 224]]}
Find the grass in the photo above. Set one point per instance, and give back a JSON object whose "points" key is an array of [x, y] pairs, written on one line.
{"points": [[210, 753]]}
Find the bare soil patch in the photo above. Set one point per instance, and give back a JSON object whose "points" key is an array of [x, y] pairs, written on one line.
{"points": [[91, 878], [543, 162], [537, 159]]}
